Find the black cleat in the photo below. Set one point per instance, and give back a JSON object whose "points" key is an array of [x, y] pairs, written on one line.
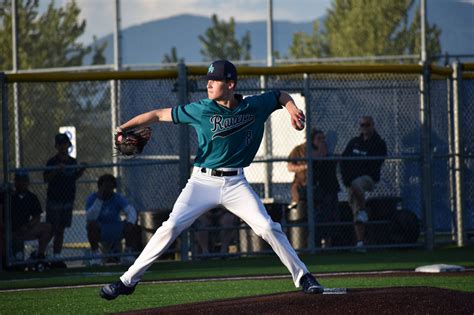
{"points": [[111, 291], [310, 285]]}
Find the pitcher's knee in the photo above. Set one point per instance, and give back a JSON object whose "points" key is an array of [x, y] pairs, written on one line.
{"points": [[268, 228], [173, 227]]}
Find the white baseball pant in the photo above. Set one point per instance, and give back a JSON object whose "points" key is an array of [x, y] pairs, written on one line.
{"points": [[202, 193]]}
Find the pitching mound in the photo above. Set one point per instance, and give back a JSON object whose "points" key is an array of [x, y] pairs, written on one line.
{"points": [[406, 300]]}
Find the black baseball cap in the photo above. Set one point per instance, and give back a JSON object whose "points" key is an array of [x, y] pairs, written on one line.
{"points": [[21, 175], [221, 70], [61, 138]]}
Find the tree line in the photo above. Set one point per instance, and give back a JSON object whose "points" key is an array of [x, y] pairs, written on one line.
{"points": [[351, 28]]}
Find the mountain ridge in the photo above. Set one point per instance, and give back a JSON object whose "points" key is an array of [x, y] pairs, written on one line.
{"points": [[147, 43]]}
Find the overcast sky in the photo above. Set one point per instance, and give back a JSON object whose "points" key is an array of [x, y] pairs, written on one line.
{"points": [[99, 14]]}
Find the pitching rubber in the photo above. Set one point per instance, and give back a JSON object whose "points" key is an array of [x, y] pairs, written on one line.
{"points": [[335, 291]]}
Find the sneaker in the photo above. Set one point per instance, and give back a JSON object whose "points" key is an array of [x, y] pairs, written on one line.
{"points": [[111, 291], [360, 247], [361, 216], [309, 285]]}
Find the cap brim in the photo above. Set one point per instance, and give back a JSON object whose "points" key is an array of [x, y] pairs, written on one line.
{"points": [[64, 142], [214, 77]]}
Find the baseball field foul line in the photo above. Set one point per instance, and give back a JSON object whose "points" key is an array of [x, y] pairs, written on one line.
{"points": [[322, 275]]}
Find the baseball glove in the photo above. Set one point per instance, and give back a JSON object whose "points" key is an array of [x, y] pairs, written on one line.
{"points": [[131, 142]]}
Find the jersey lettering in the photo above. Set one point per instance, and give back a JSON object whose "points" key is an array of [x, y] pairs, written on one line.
{"points": [[223, 127]]}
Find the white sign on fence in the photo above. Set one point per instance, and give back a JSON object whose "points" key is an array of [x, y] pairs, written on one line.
{"points": [[70, 131]]}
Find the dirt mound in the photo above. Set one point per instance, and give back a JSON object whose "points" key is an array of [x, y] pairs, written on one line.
{"points": [[400, 300]]}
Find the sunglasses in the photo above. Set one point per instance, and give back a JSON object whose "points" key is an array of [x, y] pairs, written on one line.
{"points": [[365, 125]]}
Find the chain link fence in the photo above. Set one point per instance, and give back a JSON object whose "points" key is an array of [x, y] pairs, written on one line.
{"points": [[466, 115], [89, 105]]}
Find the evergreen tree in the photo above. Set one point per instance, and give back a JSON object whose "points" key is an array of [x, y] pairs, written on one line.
{"points": [[98, 56], [307, 46], [366, 28], [219, 42], [50, 40], [408, 40], [172, 57], [44, 41]]}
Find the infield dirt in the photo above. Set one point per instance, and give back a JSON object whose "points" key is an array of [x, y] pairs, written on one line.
{"points": [[399, 300]]}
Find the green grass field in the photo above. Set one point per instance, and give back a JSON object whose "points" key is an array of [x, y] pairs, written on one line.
{"points": [[85, 300]]}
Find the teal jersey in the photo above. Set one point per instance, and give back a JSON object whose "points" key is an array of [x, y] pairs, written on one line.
{"points": [[228, 138]]}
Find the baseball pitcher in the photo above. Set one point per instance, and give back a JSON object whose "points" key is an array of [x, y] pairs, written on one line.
{"points": [[230, 129]]}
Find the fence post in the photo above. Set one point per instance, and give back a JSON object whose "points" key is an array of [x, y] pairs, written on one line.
{"points": [[6, 168], [451, 157], [309, 161], [184, 149], [267, 147], [458, 160], [426, 155], [115, 102]]}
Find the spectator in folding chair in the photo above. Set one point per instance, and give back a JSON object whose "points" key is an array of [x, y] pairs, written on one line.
{"points": [[360, 175], [104, 224], [26, 219]]}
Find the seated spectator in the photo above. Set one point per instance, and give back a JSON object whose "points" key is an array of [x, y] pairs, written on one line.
{"points": [[219, 217], [104, 225], [361, 175], [26, 219], [325, 183]]}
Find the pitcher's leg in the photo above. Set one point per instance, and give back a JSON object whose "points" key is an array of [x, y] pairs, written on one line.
{"points": [[245, 203], [155, 247], [194, 200]]}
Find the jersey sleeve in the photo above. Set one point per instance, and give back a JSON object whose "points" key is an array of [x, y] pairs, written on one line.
{"points": [[268, 101], [187, 114], [272, 99]]}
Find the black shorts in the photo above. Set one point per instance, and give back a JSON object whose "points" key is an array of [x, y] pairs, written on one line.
{"points": [[59, 213]]}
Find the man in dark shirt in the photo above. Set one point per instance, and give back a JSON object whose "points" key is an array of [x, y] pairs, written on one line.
{"points": [[61, 178], [361, 175], [26, 216]]}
